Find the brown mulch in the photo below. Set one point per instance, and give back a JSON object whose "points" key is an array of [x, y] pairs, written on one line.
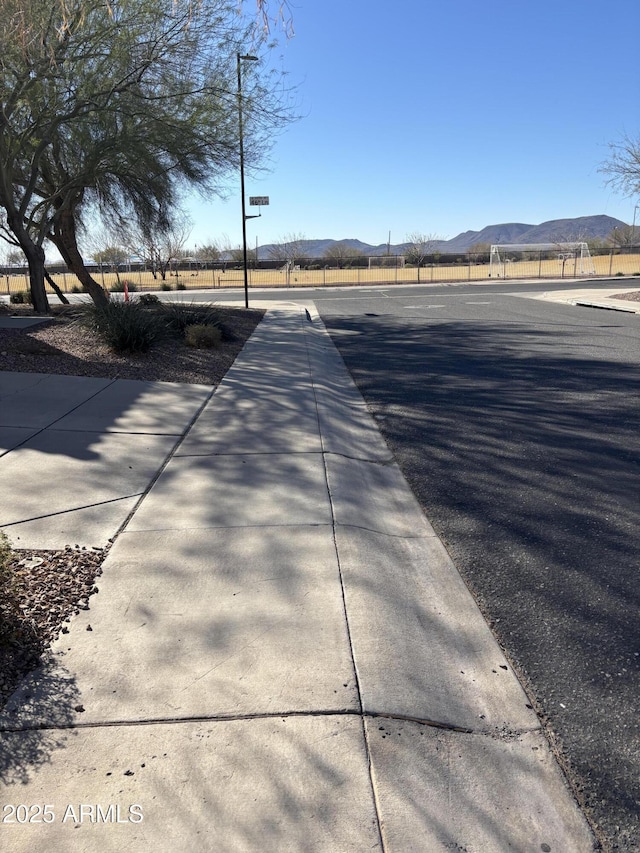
{"points": [[44, 589], [62, 344]]}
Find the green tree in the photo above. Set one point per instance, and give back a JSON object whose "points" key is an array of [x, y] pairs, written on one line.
{"points": [[111, 256], [597, 244], [624, 235], [119, 106], [207, 253]]}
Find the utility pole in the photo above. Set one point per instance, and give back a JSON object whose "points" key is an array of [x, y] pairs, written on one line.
{"points": [[240, 57]]}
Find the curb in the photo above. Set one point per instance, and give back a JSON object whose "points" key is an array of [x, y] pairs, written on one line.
{"points": [[604, 307]]}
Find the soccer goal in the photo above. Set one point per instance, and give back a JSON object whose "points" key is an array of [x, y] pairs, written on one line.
{"points": [[572, 257]]}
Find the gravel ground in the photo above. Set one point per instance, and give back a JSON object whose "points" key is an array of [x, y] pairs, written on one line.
{"points": [[46, 588], [63, 345], [634, 296]]}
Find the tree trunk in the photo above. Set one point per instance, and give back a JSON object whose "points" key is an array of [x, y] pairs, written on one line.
{"points": [[65, 240], [35, 259], [56, 289]]}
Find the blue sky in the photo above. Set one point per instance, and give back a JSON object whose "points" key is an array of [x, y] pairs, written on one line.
{"points": [[438, 117]]}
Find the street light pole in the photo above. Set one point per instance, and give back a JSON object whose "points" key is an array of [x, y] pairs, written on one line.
{"points": [[240, 58]]}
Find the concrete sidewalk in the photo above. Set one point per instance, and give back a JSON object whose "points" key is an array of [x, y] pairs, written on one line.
{"points": [[603, 297], [282, 656]]}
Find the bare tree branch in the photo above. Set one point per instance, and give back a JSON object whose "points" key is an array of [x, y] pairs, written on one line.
{"points": [[623, 166]]}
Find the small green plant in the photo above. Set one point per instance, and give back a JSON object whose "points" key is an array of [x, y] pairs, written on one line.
{"points": [[619, 273], [148, 299], [76, 289], [202, 337], [126, 326], [636, 273], [179, 315], [180, 285], [165, 286], [22, 297]]}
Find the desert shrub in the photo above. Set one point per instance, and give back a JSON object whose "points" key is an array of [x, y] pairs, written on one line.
{"points": [[179, 315], [118, 287], [125, 326], [9, 606], [22, 297], [203, 337], [148, 299], [180, 285], [76, 289], [165, 286], [6, 576]]}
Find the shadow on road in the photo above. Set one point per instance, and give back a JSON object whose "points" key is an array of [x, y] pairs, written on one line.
{"points": [[520, 443]]}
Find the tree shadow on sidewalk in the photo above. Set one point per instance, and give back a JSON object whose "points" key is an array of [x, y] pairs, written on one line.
{"points": [[52, 695]]}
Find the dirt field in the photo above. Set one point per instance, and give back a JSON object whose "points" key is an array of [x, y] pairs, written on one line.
{"points": [[604, 265]]}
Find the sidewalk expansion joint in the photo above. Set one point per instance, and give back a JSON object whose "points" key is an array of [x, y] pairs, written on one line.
{"points": [[383, 463], [72, 509], [179, 439], [425, 535], [266, 526], [176, 720], [55, 421], [433, 724], [217, 454], [175, 435], [500, 733]]}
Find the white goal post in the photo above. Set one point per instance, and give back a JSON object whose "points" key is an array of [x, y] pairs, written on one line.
{"points": [[501, 256], [386, 261]]}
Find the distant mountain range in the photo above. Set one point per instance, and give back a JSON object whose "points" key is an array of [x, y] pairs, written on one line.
{"points": [[555, 230]]}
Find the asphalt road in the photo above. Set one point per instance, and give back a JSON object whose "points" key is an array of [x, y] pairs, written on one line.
{"points": [[260, 297], [516, 422]]}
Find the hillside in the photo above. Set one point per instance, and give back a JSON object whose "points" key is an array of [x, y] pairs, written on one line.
{"points": [[507, 232], [554, 230], [582, 228]]}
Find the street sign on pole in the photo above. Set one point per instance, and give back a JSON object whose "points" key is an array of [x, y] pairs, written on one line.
{"points": [[259, 200]]}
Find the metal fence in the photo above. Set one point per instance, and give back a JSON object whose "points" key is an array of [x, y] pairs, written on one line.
{"points": [[322, 272]]}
